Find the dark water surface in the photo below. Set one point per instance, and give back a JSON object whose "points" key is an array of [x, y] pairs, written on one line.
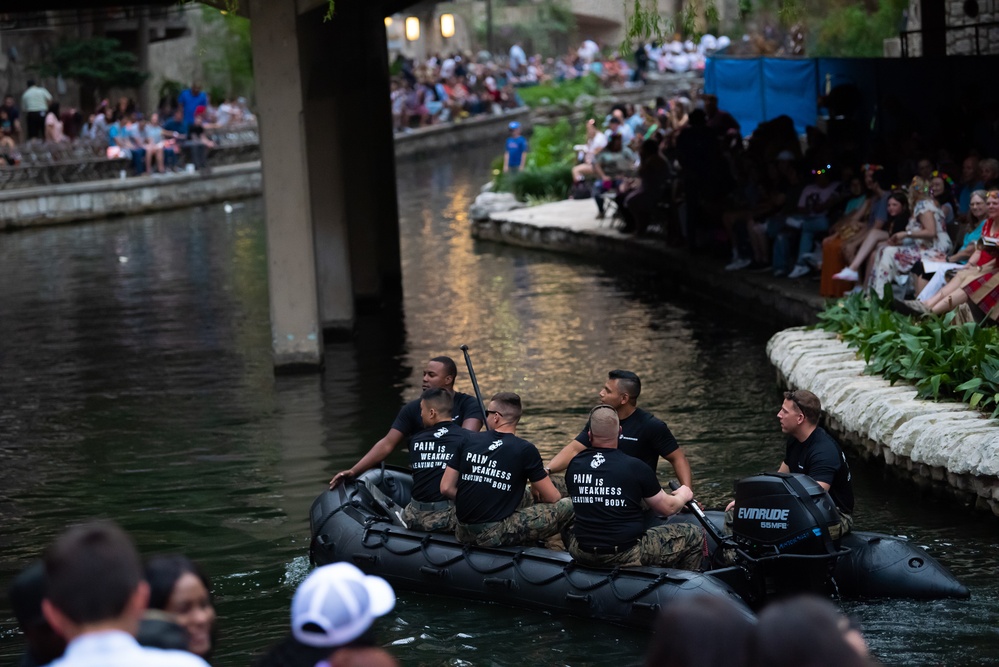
{"points": [[136, 383]]}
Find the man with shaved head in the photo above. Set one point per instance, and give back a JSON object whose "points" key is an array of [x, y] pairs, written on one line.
{"points": [[607, 488]]}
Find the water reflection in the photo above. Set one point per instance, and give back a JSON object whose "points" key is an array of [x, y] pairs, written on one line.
{"points": [[136, 383]]}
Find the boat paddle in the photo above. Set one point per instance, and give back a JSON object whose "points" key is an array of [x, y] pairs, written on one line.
{"points": [[475, 383]]}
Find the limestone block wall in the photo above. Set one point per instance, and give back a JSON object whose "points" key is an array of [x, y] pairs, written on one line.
{"points": [[961, 35], [944, 445]]}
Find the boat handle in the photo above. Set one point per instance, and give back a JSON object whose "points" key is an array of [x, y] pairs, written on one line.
{"points": [[435, 571], [498, 582], [646, 606], [365, 558], [575, 597]]}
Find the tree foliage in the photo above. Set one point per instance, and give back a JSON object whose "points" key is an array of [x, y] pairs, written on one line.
{"points": [[852, 29], [97, 64], [226, 55]]}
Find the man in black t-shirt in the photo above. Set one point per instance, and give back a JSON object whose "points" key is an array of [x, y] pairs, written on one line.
{"points": [[607, 488], [440, 372], [811, 451], [642, 435], [429, 452], [486, 478]]}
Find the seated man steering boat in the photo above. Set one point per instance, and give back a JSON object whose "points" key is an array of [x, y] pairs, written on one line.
{"points": [[487, 476], [607, 488]]}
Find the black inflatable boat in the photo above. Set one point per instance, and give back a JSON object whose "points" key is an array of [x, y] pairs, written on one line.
{"points": [[780, 545]]}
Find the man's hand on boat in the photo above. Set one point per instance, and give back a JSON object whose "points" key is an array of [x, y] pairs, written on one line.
{"points": [[340, 477]]}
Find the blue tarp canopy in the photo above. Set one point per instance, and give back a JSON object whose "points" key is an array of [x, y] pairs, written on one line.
{"points": [[759, 89]]}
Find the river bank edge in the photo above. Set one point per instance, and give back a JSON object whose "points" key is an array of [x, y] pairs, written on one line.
{"points": [[945, 447]]}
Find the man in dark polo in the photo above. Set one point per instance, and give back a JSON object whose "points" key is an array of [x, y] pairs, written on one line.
{"points": [[440, 372], [607, 488], [643, 436]]}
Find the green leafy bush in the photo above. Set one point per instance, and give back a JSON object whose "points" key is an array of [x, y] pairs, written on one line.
{"points": [[552, 144], [549, 183], [941, 359], [565, 92]]}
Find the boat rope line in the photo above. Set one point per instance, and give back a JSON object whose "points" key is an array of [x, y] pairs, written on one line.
{"points": [[374, 538]]}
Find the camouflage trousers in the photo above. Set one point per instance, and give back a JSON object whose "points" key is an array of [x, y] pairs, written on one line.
{"points": [[524, 527], [679, 545], [436, 521]]}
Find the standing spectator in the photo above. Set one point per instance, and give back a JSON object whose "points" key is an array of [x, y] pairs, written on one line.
{"points": [[35, 104], [12, 126], [515, 156], [189, 100], [42, 643], [179, 587], [95, 597]]}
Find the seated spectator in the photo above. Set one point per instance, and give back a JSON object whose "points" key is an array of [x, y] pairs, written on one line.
{"points": [[54, 125], [941, 187], [179, 587], [332, 615], [131, 137], [988, 170], [848, 234], [812, 215], [150, 138], [610, 167], [969, 183], [12, 127], [769, 246], [897, 208], [924, 238], [586, 153], [197, 144], [928, 282]]}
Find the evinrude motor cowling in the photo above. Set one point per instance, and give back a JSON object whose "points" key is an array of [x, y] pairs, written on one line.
{"points": [[781, 529]]}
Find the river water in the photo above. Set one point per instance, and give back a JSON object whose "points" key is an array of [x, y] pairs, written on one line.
{"points": [[136, 384]]}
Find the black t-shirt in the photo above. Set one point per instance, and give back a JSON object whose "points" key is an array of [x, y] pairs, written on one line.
{"points": [[409, 421], [821, 458], [494, 469], [643, 436], [607, 487], [429, 452]]}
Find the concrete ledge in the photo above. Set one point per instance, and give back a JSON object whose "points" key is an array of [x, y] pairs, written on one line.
{"points": [[945, 446], [27, 207], [473, 130], [570, 227]]}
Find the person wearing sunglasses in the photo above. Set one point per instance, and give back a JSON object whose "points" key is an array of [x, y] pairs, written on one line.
{"points": [[487, 476]]}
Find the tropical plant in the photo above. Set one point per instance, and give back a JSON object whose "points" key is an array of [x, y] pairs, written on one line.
{"points": [[942, 359], [566, 92]]}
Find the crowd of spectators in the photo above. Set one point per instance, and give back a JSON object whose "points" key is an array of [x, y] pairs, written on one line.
{"points": [[155, 143], [92, 601], [801, 208], [453, 87]]}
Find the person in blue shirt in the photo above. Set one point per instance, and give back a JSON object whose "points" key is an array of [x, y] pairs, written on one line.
{"points": [[189, 100], [516, 149]]}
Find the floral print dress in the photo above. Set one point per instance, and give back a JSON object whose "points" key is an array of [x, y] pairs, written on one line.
{"points": [[896, 261]]}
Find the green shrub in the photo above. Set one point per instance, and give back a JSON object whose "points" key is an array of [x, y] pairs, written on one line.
{"points": [[565, 92], [941, 359], [552, 144], [549, 183]]}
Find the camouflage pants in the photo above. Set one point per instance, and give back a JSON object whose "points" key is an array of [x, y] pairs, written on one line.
{"points": [[437, 521], [679, 545], [558, 479], [523, 527]]}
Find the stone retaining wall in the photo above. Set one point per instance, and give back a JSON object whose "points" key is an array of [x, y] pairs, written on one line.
{"points": [[945, 446], [27, 207]]}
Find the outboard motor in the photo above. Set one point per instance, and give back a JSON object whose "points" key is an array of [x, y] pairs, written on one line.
{"points": [[781, 531]]}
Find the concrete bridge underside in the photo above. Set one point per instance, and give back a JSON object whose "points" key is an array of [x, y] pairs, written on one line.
{"points": [[328, 162]]}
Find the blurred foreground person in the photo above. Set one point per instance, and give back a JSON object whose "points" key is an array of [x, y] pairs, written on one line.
{"points": [[95, 598], [331, 618], [179, 587], [42, 643], [806, 631], [702, 631]]}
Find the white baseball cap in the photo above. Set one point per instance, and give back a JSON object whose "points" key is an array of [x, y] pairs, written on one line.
{"points": [[337, 603]]}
